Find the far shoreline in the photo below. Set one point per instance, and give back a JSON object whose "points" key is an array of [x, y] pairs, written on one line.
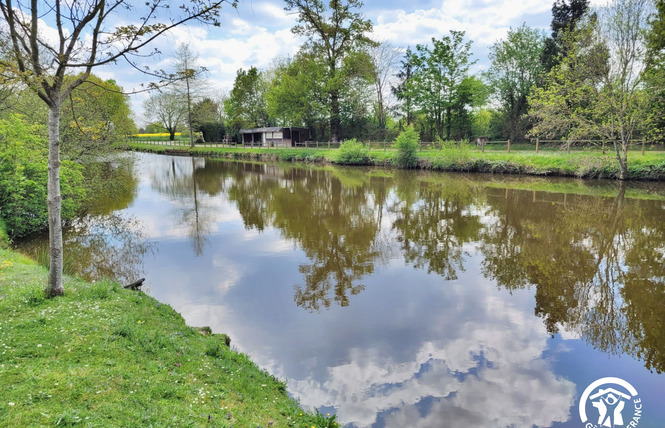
{"points": [[578, 164]]}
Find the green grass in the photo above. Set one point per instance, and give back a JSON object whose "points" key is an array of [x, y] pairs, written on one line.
{"points": [[582, 163], [105, 356]]}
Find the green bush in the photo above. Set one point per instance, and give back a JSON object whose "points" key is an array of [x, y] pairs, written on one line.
{"points": [[352, 152], [24, 176], [407, 149]]}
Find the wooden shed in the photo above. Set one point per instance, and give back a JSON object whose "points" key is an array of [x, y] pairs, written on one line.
{"points": [[275, 136]]}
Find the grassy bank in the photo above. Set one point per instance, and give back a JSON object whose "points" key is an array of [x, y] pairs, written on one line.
{"points": [[584, 164], [105, 356]]}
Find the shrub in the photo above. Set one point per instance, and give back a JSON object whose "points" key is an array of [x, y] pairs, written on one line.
{"points": [[23, 177], [351, 152], [407, 149]]}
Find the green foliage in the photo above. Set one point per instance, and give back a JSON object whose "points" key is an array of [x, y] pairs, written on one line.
{"points": [[23, 179], [515, 70], [296, 92], [96, 115], [4, 239], [598, 89], [337, 34], [246, 106], [407, 149], [352, 152], [155, 128], [438, 85]]}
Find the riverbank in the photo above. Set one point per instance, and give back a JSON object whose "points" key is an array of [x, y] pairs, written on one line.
{"points": [[103, 355], [582, 164]]}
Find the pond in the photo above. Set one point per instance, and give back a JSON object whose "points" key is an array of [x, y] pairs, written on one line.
{"points": [[401, 298]]}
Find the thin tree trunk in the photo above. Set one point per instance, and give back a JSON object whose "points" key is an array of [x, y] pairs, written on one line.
{"points": [[189, 116], [54, 202], [334, 116], [622, 157]]}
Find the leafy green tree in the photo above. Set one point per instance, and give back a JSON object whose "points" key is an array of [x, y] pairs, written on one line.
{"points": [[515, 70], [84, 39], [437, 79], [246, 106], [96, 115], [206, 119], [597, 90], [656, 68], [297, 95], [334, 32], [23, 177], [472, 94]]}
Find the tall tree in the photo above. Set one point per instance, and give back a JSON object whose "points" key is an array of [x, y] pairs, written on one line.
{"points": [[206, 119], [598, 88], [515, 70], [402, 90], [438, 75], [385, 59], [656, 67], [565, 16], [333, 31], [188, 77], [246, 105], [84, 39], [168, 109]]}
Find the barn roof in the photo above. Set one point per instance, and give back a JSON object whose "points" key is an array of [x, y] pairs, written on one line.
{"points": [[271, 129]]}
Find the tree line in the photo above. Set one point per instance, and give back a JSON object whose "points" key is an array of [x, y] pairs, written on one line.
{"points": [[595, 76]]}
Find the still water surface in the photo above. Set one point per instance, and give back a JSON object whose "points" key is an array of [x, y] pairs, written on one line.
{"points": [[401, 299]]}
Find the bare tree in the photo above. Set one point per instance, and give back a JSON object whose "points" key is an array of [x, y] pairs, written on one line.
{"points": [[52, 64], [386, 60], [188, 75], [168, 109]]}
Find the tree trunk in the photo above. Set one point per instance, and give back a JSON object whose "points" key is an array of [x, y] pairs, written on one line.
{"points": [[448, 122], [54, 202], [334, 116], [621, 152], [189, 116]]}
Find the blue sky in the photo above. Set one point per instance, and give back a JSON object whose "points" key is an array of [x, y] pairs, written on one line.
{"points": [[260, 30]]}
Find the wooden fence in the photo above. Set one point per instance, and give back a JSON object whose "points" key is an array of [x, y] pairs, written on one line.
{"points": [[562, 145]]}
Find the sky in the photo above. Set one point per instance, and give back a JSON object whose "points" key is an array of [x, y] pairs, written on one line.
{"points": [[259, 31]]}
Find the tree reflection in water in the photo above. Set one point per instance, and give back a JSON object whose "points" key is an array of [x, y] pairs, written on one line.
{"points": [[596, 262], [102, 244]]}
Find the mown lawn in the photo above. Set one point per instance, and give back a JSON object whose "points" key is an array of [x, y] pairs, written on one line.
{"points": [[106, 356]]}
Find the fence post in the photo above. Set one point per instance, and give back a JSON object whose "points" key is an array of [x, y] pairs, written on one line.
{"points": [[328, 144], [642, 147], [508, 145], [420, 146], [568, 145], [537, 143], [482, 146], [384, 146]]}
